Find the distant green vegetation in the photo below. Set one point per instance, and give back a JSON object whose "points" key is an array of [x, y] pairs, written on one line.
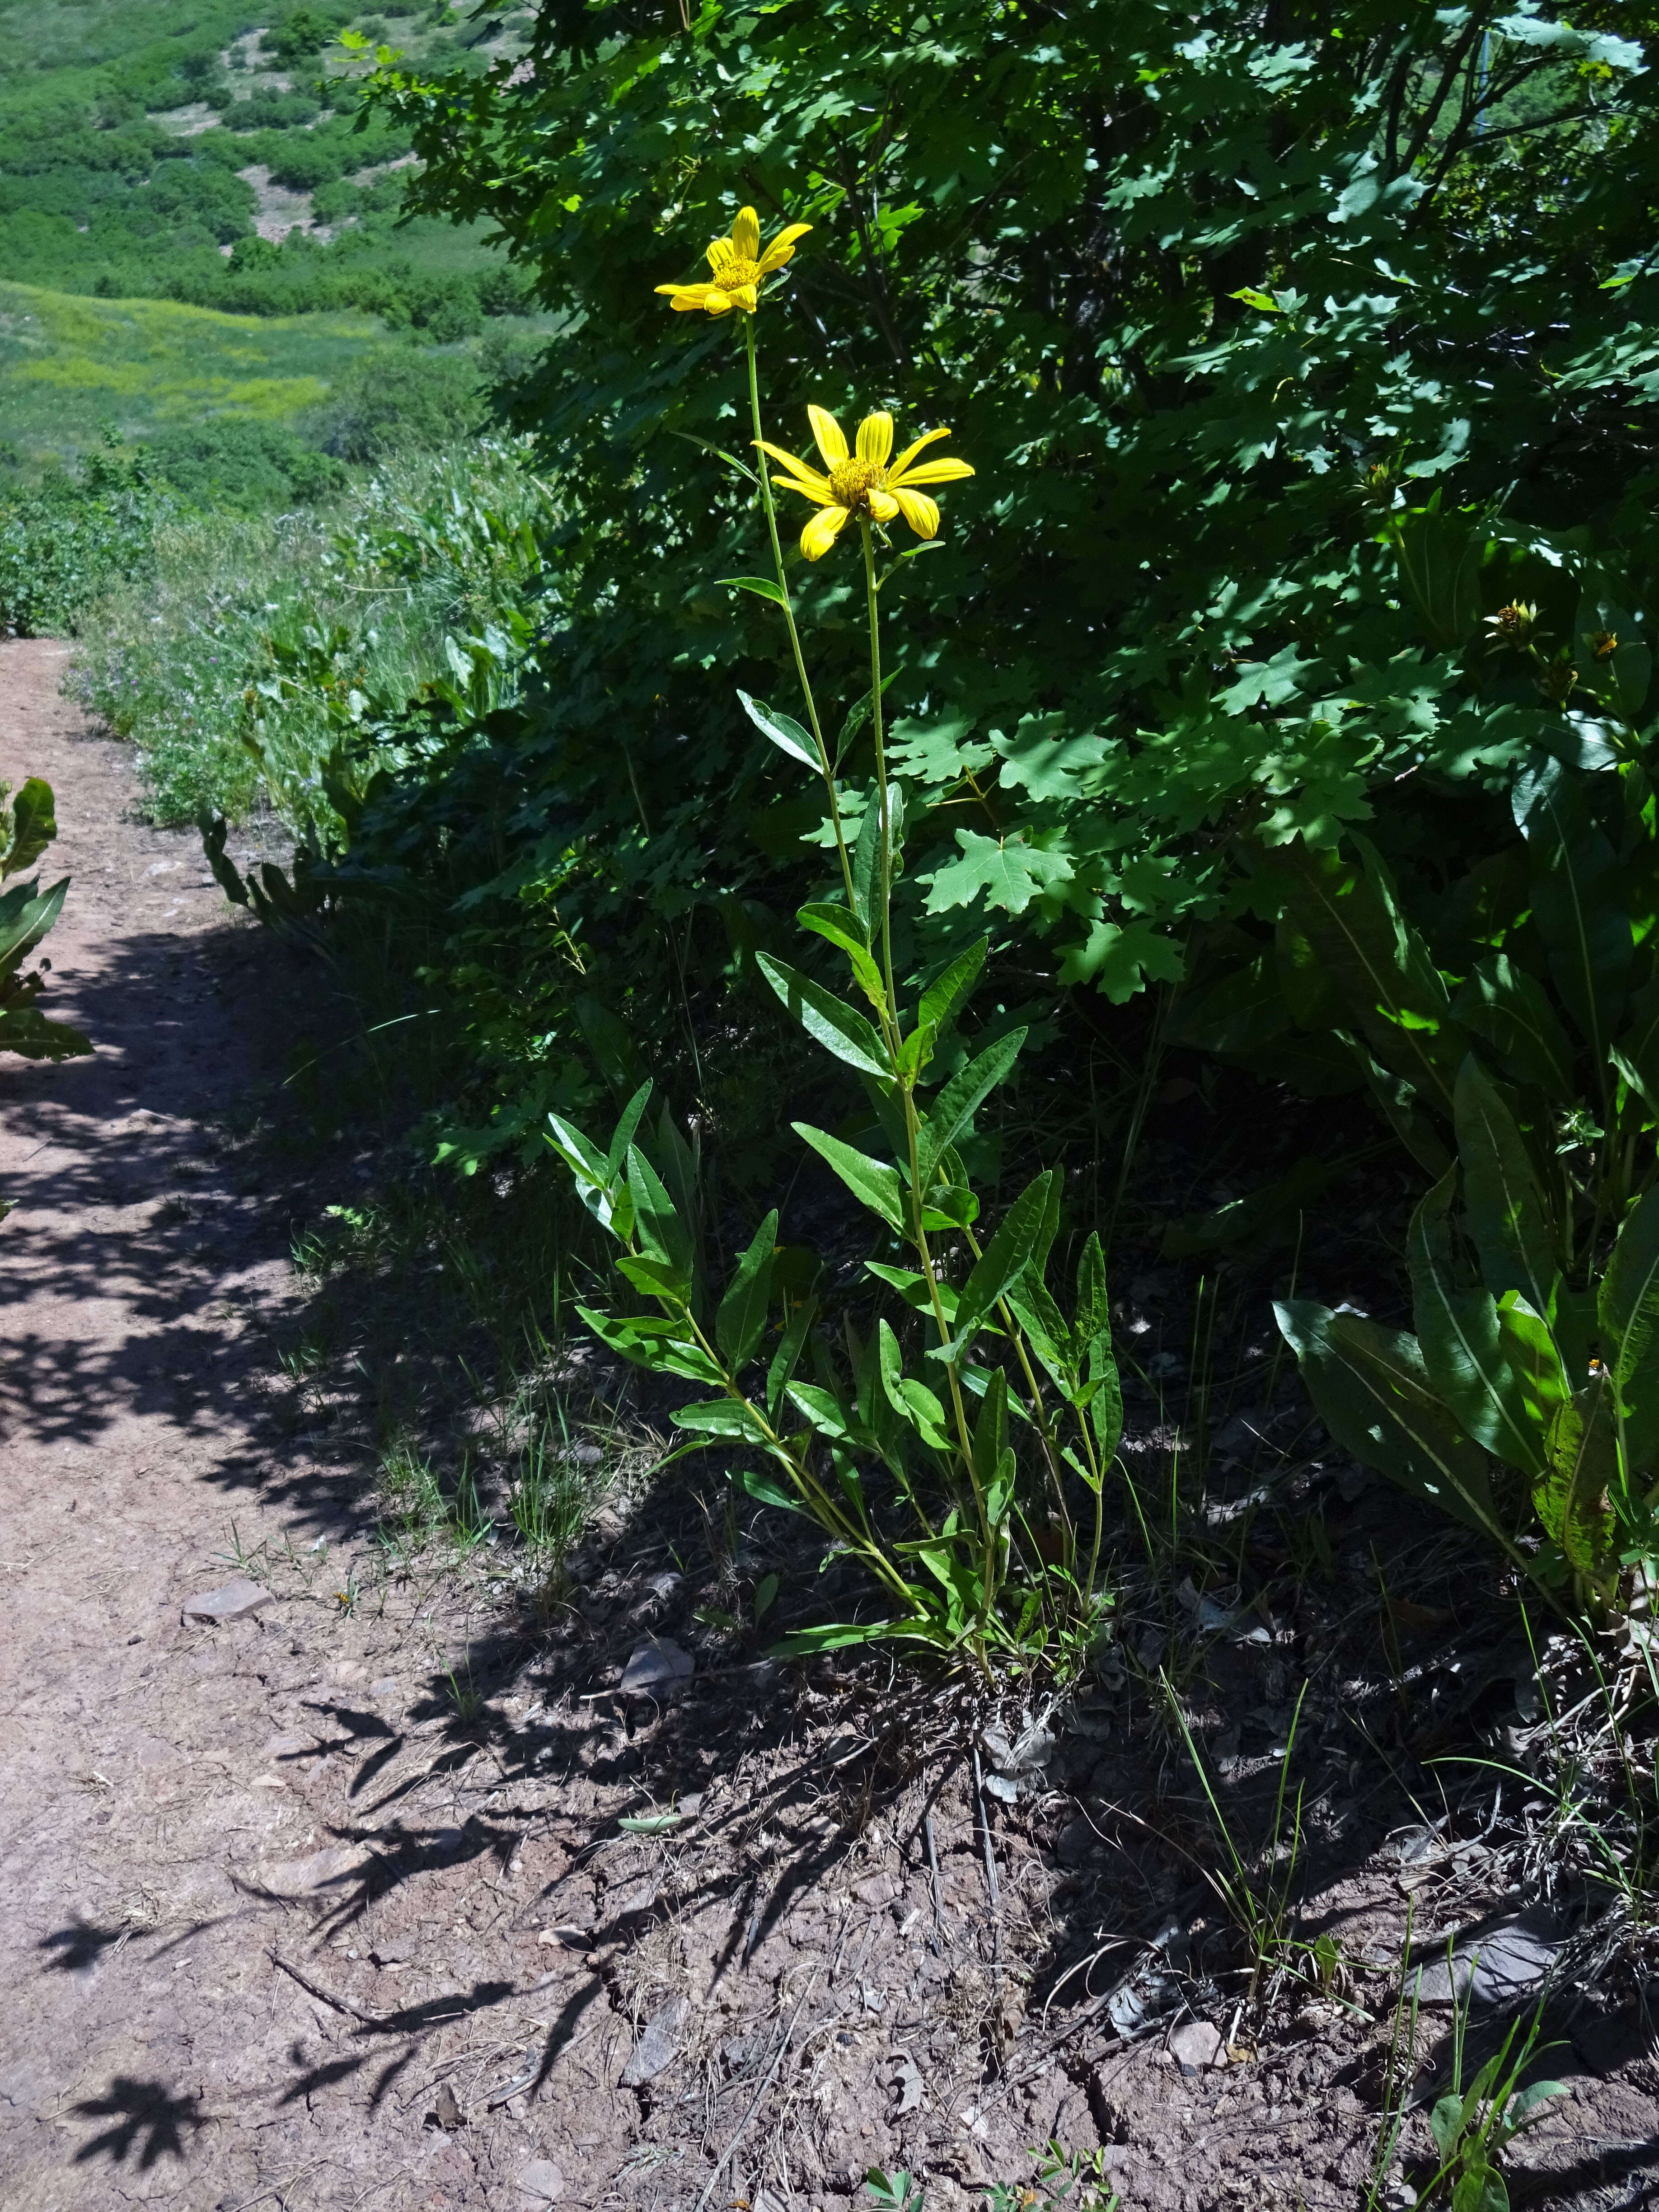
{"points": [[180, 153], [69, 364]]}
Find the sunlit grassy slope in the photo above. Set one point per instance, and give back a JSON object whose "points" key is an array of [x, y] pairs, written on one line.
{"points": [[69, 364]]}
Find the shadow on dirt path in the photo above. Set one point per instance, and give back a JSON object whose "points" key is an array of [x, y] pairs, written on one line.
{"points": [[141, 1277], [393, 1895]]}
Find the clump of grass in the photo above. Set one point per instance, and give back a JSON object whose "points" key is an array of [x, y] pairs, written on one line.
{"points": [[415, 1509], [558, 1485]]}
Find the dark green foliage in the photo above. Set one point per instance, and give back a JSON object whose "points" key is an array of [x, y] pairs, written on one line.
{"points": [[99, 195], [241, 465], [1216, 304], [401, 402], [64, 541], [27, 826], [305, 31]]}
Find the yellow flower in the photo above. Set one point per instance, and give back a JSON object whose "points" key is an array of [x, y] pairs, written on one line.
{"points": [[864, 483], [739, 265]]}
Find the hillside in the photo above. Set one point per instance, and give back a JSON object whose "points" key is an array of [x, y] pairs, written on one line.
{"points": [[174, 160]]}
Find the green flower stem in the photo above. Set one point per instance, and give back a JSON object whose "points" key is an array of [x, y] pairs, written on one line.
{"points": [[870, 589], [825, 769], [823, 1506]]}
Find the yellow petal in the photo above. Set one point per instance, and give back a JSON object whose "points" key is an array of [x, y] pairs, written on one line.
{"points": [[717, 302], [803, 475], [910, 453], [920, 511], [932, 473], [668, 289], [782, 247], [827, 431], [822, 531], [882, 506], [720, 253], [684, 297], [746, 235], [745, 296], [875, 438]]}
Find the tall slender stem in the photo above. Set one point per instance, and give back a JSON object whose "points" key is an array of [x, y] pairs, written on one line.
{"points": [[826, 767], [881, 762]]}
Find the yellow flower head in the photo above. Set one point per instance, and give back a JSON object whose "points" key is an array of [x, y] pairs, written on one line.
{"points": [[864, 483], [739, 267]]}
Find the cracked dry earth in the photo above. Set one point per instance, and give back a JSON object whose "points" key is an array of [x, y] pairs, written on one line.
{"points": [[288, 1922]]}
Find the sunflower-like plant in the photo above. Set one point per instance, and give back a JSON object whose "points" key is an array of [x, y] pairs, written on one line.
{"points": [[956, 1440]]}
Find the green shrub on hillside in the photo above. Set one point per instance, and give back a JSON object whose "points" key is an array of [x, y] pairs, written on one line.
{"points": [[244, 466], [401, 403], [70, 538]]}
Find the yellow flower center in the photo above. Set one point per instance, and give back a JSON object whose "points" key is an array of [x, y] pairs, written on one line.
{"points": [[737, 273], [851, 482]]}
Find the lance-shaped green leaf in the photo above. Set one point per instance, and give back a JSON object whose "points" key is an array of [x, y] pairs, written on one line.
{"points": [[1510, 1011], [603, 1195], [657, 1345], [740, 1321], [662, 1234], [1106, 1404], [991, 1429], [1440, 557], [25, 1031], [1092, 1317], [722, 1417], [1637, 1053], [828, 1416], [911, 1400], [839, 1028], [623, 1135], [858, 715], [27, 912], [1003, 1259], [841, 1636], [786, 733], [762, 587], [1582, 910], [786, 1358], [872, 1183], [1529, 1343], [867, 855], [1572, 1500], [842, 927], [659, 1278], [32, 828], [1508, 1216], [762, 1485], [961, 1098], [946, 995], [913, 1287], [1627, 1309], [1373, 1394], [1044, 1324], [1402, 1106], [1361, 951], [1462, 1341]]}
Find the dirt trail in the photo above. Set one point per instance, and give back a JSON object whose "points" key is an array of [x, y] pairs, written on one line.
{"points": [[293, 1913], [142, 2051]]}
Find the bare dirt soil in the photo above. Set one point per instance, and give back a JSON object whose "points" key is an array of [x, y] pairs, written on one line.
{"points": [[388, 1893]]}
